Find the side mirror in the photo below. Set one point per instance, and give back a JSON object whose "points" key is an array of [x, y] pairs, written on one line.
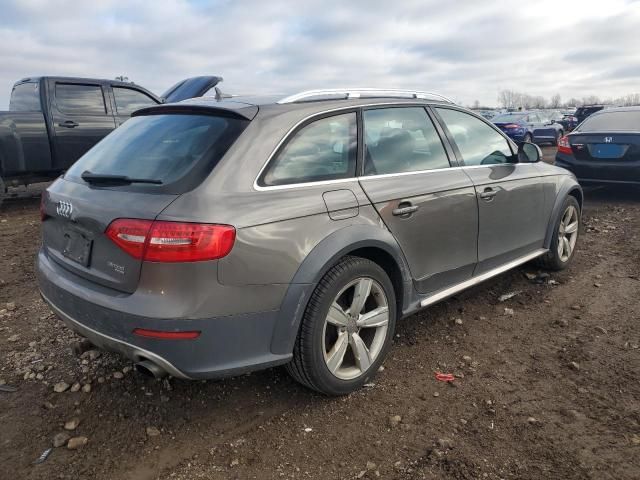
{"points": [[529, 153]]}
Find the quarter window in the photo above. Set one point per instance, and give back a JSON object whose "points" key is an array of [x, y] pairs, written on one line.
{"points": [[478, 143], [323, 150], [128, 100], [80, 99], [401, 140], [25, 98]]}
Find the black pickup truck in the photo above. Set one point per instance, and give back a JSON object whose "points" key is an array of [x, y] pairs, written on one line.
{"points": [[53, 121]]}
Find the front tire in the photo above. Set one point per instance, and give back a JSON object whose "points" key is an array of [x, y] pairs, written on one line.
{"points": [[565, 237], [347, 328]]}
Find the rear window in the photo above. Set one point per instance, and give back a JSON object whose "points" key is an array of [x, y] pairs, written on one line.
{"points": [[25, 98], [612, 121], [507, 118], [179, 150]]}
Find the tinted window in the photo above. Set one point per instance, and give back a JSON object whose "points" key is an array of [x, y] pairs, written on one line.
{"points": [[507, 118], [401, 140], [479, 143], [128, 100], [167, 147], [80, 99], [323, 150], [25, 98], [612, 121]]}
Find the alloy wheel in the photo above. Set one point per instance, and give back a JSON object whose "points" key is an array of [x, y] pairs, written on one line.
{"points": [[568, 233], [355, 328]]}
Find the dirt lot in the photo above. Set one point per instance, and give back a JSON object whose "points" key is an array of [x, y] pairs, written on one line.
{"points": [[549, 391]]}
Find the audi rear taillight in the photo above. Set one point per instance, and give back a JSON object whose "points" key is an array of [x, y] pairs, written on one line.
{"points": [[563, 145], [512, 125], [159, 241]]}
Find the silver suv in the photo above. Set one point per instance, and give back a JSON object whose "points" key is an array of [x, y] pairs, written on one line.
{"points": [[214, 237]]}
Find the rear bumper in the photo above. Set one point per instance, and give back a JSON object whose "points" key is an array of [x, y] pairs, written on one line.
{"points": [[600, 172], [227, 346]]}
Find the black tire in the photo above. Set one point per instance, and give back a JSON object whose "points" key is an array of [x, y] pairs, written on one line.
{"points": [[309, 366], [552, 260], [528, 138]]}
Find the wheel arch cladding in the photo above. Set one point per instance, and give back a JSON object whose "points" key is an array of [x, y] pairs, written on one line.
{"points": [[569, 187], [366, 241]]}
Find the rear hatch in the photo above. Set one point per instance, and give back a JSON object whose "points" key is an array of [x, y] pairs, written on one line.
{"points": [[134, 173], [74, 230]]}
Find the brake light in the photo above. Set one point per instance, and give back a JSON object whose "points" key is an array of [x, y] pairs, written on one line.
{"points": [[165, 335], [563, 145], [158, 241], [512, 125]]}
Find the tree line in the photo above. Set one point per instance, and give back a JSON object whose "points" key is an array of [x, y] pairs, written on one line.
{"points": [[514, 99]]}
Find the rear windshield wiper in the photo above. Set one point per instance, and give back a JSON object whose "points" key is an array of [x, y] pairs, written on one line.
{"points": [[93, 178]]}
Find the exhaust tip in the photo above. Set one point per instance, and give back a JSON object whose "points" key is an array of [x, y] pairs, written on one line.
{"points": [[150, 369]]}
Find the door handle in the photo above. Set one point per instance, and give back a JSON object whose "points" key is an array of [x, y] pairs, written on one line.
{"points": [[488, 194], [405, 210], [68, 124]]}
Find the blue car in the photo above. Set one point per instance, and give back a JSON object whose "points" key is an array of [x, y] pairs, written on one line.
{"points": [[531, 126]]}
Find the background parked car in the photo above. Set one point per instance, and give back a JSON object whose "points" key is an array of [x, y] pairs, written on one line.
{"points": [[586, 110], [53, 121], [529, 126], [569, 121], [605, 148]]}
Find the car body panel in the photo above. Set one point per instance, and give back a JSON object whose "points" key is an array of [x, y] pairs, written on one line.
{"points": [[446, 208], [511, 223]]}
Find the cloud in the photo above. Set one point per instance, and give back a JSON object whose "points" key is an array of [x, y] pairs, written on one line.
{"points": [[467, 50]]}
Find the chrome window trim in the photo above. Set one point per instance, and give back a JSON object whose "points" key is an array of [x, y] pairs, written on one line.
{"points": [[261, 188], [374, 177], [354, 108]]}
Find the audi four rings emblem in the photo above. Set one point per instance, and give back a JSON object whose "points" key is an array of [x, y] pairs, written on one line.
{"points": [[64, 209]]}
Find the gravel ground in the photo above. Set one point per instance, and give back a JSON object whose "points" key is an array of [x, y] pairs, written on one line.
{"points": [[548, 385]]}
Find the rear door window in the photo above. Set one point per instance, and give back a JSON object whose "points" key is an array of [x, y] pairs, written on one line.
{"points": [[25, 98], [401, 140], [477, 142], [322, 150], [80, 99], [129, 100], [176, 150]]}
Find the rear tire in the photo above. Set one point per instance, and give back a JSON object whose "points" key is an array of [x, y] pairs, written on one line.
{"points": [[336, 352], [565, 237], [528, 138]]}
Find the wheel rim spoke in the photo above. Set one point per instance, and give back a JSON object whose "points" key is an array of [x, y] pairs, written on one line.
{"points": [[561, 247], [337, 316], [567, 246], [360, 295], [335, 357], [375, 318], [360, 352], [571, 228]]}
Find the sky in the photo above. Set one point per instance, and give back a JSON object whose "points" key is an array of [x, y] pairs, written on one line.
{"points": [[467, 50]]}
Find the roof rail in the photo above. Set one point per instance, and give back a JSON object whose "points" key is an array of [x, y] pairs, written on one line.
{"points": [[348, 93]]}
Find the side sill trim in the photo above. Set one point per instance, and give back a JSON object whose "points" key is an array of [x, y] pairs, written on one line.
{"points": [[447, 292]]}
